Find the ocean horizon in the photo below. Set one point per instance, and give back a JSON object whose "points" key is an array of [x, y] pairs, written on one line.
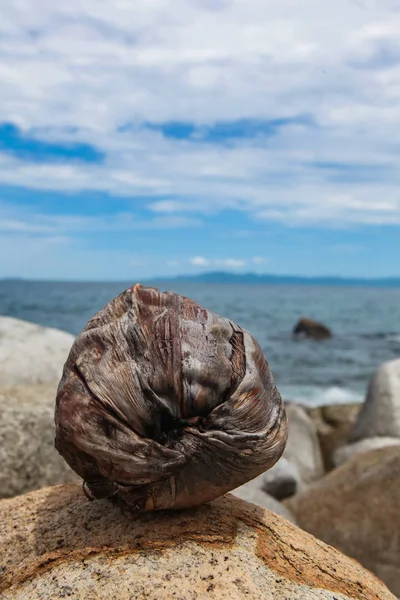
{"points": [[365, 322], [226, 277]]}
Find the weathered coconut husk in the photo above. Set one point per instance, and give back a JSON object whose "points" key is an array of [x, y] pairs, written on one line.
{"points": [[164, 404]]}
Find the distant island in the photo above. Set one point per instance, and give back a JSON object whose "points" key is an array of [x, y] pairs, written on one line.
{"points": [[221, 277], [226, 277]]}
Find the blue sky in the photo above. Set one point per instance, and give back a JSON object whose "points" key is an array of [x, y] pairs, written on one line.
{"points": [[166, 137]]}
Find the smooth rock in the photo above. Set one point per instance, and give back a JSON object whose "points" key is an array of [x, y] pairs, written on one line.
{"points": [[282, 480], [55, 544], [31, 354], [346, 452], [253, 491], [311, 329], [356, 508], [333, 424], [302, 448], [380, 413], [28, 459]]}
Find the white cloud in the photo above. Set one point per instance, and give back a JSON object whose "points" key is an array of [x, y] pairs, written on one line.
{"points": [[25, 220], [79, 72], [200, 261], [258, 260], [228, 263], [233, 263], [172, 264]]}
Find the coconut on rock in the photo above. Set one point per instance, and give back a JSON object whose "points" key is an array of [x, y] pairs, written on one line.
{"points": [[164, 404]]}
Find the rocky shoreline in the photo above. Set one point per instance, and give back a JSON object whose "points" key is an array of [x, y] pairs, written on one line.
{"points": [[338, 480]]}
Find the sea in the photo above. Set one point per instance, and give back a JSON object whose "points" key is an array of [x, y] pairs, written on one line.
{"points": [[365, 322]]}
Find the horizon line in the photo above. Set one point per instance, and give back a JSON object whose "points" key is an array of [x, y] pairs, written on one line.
{"points": [[213, 277]]}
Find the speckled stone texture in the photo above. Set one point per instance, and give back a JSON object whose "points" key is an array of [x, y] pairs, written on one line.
{"points": [[55, 544], [28, 459]]}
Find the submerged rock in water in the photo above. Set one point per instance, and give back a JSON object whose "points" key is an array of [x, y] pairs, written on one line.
{"points": [[53, 545], [312, 329]]}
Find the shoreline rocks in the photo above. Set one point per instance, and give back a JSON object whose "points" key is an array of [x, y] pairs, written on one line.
{"points": [[30, 353], [356, 508], [347, 451], [380, 414], [333, 423], [31, 363], [302, 447], [254, 492], [55, 544], [282, 480], [28, 458]]}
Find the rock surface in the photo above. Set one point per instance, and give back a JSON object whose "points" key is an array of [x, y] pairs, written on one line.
{"points": [[347, 451], [333, 424], [311, 329], [356, 508], [54, 544], [302, 447], [282, 480], [31, 354], [380, 413], [28, 458], [253, 491]]}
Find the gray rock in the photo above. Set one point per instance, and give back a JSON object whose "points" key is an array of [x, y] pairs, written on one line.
{"points": [[380, 413], [282, 480], [302, 448], [333, 423], [346, 452], [252, 492], [28, 458], [31, 354]]}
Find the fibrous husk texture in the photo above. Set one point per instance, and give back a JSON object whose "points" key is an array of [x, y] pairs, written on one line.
{"points": [[164, 404]]}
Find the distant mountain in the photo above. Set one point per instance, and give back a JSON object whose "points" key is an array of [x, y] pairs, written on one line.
{"points": [[221, 277], [12, 279]]}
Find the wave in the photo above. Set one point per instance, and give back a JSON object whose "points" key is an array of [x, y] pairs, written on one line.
{"points": [[394, 338], [319, 396], [382, 335]]}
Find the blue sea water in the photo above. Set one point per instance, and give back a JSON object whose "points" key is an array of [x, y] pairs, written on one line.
{"points": [[365, 322]]}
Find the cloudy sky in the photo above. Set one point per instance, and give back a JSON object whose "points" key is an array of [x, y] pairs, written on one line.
{"points": [[158, 137]]}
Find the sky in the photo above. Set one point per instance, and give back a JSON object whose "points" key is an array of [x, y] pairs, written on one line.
{"points": [[161, 137]]}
